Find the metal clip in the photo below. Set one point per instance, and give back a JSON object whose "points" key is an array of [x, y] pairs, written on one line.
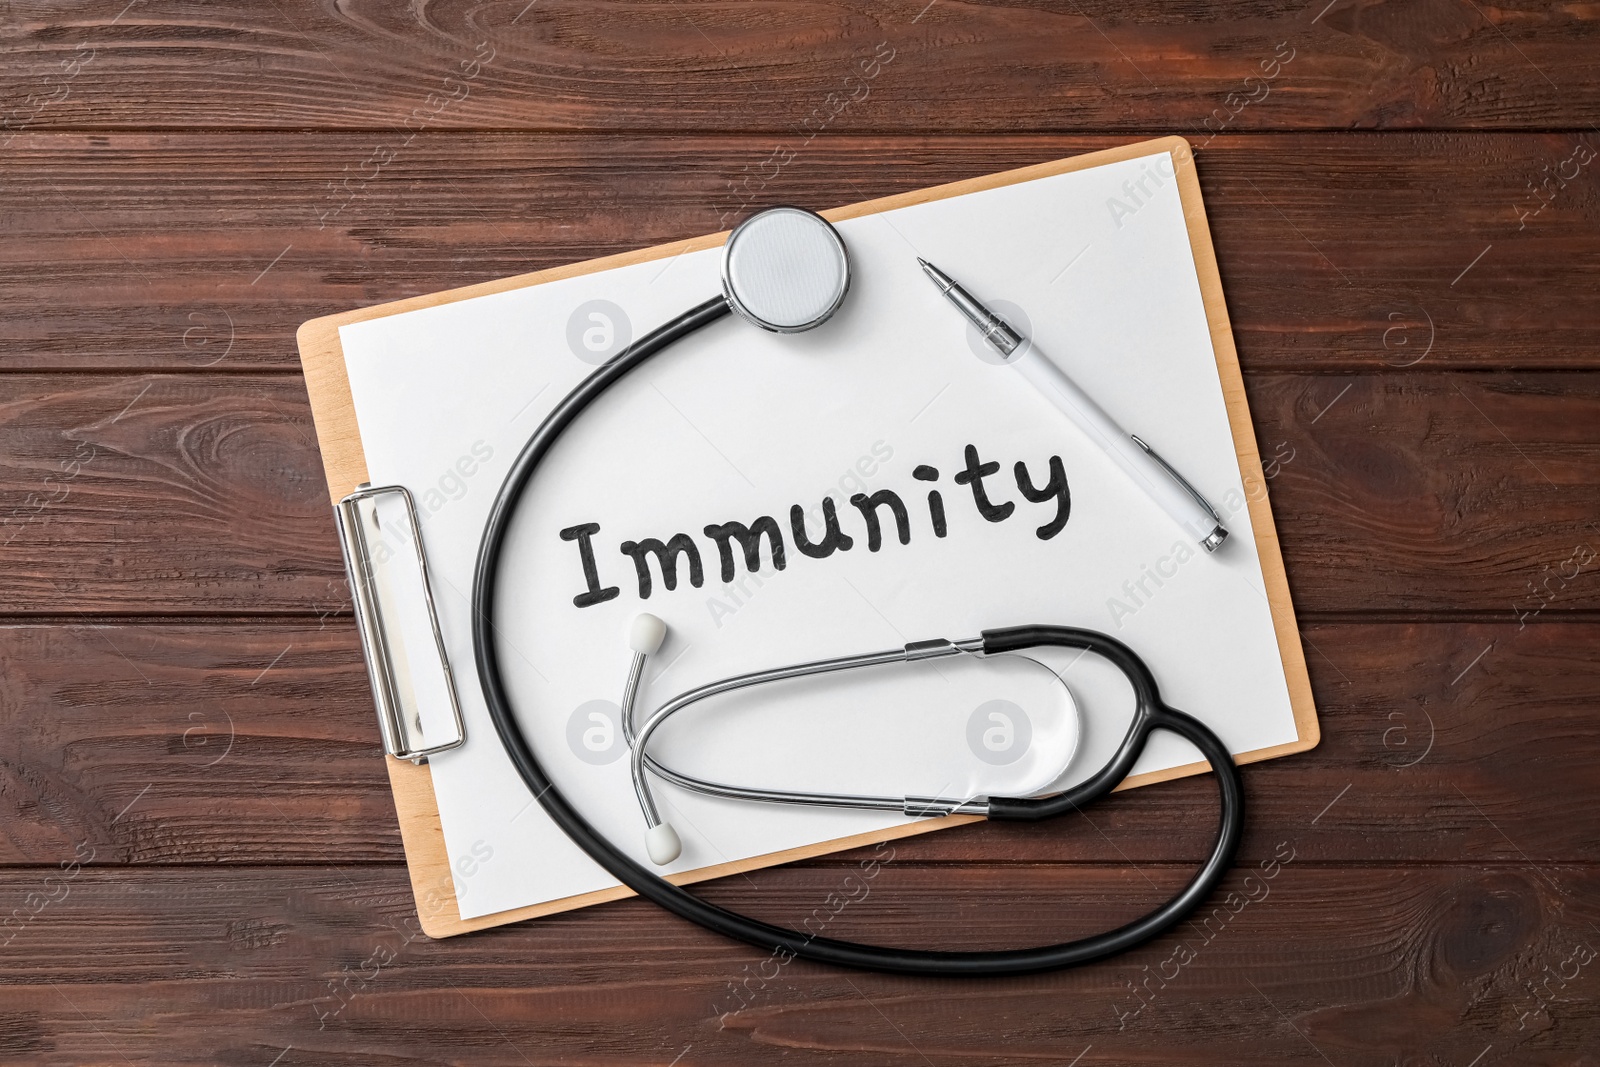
{"points": [[1180, 479], [934, 649], [401, 683], [924, 807]]}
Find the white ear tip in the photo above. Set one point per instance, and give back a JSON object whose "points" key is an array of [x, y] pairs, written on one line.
{"points": [[646, 634], [662, 843]]}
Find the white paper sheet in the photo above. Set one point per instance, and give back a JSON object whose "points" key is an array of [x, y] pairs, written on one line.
{"points": [[733, 424]]}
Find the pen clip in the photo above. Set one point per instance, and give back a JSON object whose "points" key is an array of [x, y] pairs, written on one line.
{"points": [[1180, 479]]}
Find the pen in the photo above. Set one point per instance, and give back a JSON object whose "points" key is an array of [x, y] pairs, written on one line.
{"points": [[1138, 461]]}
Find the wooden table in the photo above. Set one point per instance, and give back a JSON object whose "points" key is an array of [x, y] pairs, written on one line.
{"points": [[198, 855]]}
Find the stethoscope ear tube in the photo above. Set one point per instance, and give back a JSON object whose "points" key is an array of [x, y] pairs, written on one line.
{"points": [[1150, 714]]}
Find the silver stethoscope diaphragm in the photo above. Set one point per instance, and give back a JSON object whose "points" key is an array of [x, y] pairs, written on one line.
{"points": [[785, 269]]}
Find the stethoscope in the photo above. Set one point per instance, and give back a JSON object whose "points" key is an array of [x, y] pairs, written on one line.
{"points": [[787, 270]]}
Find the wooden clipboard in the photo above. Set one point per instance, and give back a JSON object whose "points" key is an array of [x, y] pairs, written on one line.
{"points": [[346, 467]]}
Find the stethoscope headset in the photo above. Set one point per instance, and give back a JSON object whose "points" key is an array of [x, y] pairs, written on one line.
{"points": [[787, 270]]}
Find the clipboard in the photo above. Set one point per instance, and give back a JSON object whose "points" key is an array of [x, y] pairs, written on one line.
{"points": [[344, 463]]}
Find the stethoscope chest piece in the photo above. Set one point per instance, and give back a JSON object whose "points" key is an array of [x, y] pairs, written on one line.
{"points": [[785, 269]]}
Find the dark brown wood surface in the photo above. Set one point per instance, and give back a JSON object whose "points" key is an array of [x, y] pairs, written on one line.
{"points": [[198, 856]]}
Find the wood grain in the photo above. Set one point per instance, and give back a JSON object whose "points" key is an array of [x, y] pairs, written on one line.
{"points": [[185, 184], [1406, 491], [778, 67], [1379, 510], [239, 965], [208, 488], [185, 742], [1337, 250]]}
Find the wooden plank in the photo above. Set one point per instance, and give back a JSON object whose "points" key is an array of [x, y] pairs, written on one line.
{"points": [[1406, 491], [789, 69], [176, 742], [245, 741], [169, 251], [1380, 484], [164, 493], [1358, 965]]}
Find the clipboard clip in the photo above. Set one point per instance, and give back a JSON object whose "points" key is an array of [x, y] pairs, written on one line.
{"points": [[382, 587]]}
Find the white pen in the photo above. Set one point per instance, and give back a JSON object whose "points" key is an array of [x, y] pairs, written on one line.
{"points": [[1138, 460]]}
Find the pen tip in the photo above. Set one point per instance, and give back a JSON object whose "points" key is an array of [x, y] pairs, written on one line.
{"points": [[935, 275]]}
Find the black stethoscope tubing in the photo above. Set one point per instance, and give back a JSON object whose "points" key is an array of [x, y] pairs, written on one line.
{"points": [[1150, 714]]}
